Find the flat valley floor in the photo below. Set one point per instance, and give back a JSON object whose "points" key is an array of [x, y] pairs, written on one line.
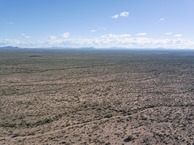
{"points": [[96, 97]]}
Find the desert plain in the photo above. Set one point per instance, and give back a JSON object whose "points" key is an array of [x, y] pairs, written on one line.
{"points": [[97, 97]]}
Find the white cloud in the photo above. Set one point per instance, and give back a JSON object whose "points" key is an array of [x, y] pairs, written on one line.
{"points": [[141, 34], [8, 42], [52, 37], [122, 14], [104, 41], [25, 36], [168, 33], [162, 19], [115, 16], [93, 30], [65, 35], [178, 35], [125, 41], [116, 36], [52, 40]]}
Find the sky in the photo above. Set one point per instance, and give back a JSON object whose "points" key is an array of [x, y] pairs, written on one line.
{"points": [[97, 23]]}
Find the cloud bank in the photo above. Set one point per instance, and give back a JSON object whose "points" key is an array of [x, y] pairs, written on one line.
{"points": [[104, 41], [141, 34]]}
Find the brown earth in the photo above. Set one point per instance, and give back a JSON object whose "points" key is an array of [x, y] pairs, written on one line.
{"points": [[97, 97]]}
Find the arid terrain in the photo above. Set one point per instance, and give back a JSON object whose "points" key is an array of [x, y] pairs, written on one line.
{"points": [[97, 97]]}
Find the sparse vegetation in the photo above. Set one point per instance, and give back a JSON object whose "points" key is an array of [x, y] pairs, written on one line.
{"points": [[129, 138], [96, 97], [45, 121], [7, 124]]}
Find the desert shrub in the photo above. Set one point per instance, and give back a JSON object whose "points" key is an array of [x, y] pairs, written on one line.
{"points": [[45, 121], [108, 116], [28, 124], [11, 125], [129, 138]]}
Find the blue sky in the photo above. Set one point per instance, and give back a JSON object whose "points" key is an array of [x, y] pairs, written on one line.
{"points": [[97, 23]]}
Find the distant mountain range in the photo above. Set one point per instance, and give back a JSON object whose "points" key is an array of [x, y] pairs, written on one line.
{"points": [[9, 48], [16, 48]]}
